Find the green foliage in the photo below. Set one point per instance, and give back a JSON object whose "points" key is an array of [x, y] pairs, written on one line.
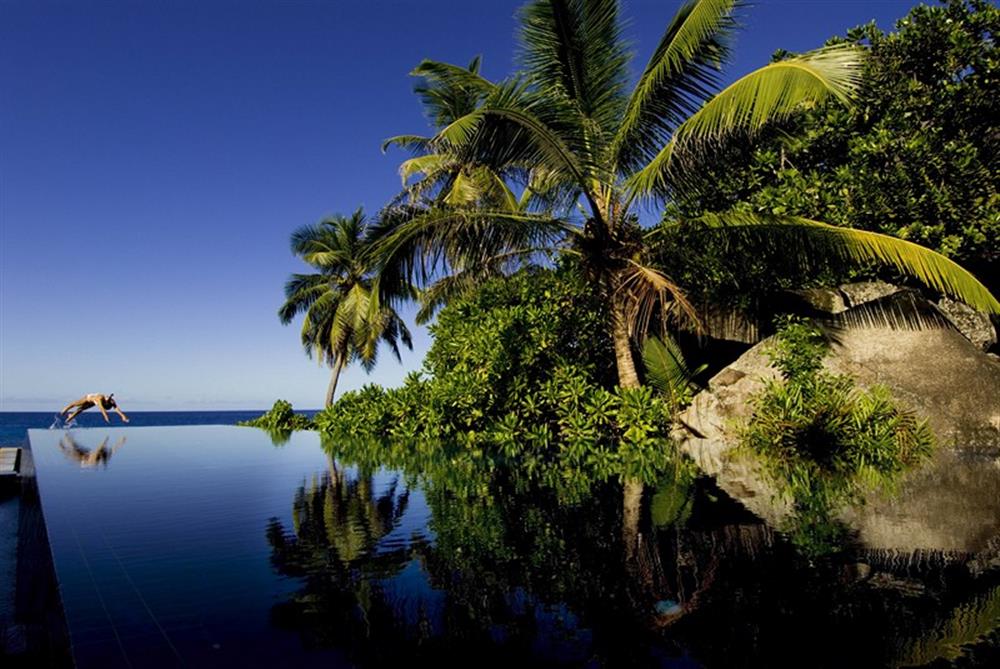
{"points": [[798, 350], [797, 247], [667, 371], [280, 418], [673, 498], [519, 371], [915, 157], [824, 440]]}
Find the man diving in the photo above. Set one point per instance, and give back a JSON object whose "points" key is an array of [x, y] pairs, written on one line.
{"points": [[99, 400]]}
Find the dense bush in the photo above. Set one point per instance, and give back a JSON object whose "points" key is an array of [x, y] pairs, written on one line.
{"points": [[916, 157], [522, 371], [824, 440], [280, 418]]}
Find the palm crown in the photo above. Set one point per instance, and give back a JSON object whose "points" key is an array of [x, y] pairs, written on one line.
{"points": [[346, 315]]}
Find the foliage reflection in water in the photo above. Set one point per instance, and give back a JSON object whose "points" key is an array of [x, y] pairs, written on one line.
{"points": [[509, 565]]}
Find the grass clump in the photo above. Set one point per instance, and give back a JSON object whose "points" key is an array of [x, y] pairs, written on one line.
{"points": [[826, 441]]}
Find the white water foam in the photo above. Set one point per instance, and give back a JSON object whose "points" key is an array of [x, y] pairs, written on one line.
{"points": [[60, 424]]}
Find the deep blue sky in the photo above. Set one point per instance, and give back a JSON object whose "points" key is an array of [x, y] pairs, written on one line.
{"points": [[154, 157]]}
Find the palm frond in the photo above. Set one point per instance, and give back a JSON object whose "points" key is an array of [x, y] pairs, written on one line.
{"points": [[899, 311], [507, 197], [575, 49], [331, 244], [464, 190], [448, 91], [317, 321], [518, 130], [462, 280], [650, 292], [803, 240], [544, 146], [420, 243], [769, 94], [414, 143], [426, 166], [301, 292], [680, 75], [666, 369]]}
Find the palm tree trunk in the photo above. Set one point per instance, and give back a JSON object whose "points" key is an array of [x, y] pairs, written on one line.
{"points": [[632, 490], [338, 364], [627, 378]]}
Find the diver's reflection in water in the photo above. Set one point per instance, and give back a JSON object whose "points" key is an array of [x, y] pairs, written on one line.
{"points": [[89, 458]]}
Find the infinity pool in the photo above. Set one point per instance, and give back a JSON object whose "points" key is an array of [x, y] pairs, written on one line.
{"points": [[227, 547], [160, 538]]}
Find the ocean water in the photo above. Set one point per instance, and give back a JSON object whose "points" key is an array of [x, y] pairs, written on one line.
{"points": [[14, 425]]}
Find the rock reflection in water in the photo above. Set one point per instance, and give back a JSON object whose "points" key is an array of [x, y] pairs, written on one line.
{"points": [[511, 574]]}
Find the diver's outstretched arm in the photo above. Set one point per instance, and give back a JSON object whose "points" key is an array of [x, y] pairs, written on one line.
{"points": [[100, 405], [118, 411]]}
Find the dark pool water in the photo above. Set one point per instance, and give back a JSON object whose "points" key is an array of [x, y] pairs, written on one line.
{"points": [[225, 547]]}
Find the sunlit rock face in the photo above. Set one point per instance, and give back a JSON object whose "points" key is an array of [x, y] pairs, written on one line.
{"points": [[859, 293], [975, 325], [930, 367], [949, 505]]}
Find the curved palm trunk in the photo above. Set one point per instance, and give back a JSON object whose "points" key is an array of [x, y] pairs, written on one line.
{"points": [[338, 365]]}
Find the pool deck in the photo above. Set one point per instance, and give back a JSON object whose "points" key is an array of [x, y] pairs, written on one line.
{"points": [[10, 461]]}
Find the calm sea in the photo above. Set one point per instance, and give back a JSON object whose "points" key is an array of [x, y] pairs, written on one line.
{"points": [[15, 424]]}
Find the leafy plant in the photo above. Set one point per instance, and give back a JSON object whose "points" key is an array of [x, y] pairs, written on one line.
{"points": [[667, 370], [280, 418], [825, 441], [673, 497]]}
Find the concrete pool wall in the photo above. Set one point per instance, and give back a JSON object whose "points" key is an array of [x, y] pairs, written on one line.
{"points": [[32, 625]]}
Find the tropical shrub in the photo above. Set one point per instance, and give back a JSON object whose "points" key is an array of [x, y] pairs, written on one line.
{"points": [[824, 440], [280, 418], [521, 370]]}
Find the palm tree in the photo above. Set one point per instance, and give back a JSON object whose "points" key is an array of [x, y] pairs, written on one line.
{"points": [[589, 150], [346, 315]]}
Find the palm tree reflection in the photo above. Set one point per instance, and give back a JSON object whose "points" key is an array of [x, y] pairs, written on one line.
{"points": [[338, 525], [89, 458], [513, 575]]}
